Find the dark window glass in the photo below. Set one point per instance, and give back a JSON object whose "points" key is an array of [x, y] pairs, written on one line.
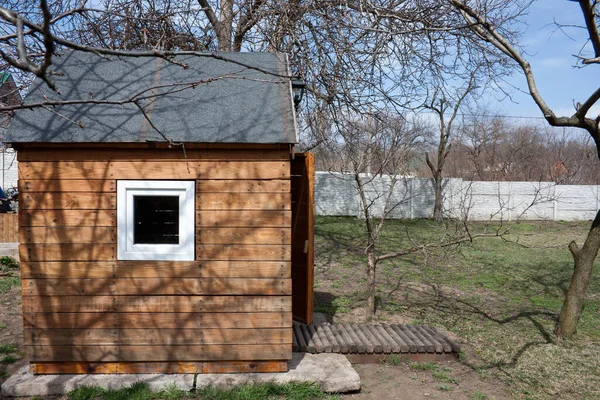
{"points": [[156, 219]]}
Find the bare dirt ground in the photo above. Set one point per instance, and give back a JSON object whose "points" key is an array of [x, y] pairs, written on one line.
{"points": [[387, 382]]}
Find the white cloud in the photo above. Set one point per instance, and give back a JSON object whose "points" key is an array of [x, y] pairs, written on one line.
{"points": [[568, 111]]}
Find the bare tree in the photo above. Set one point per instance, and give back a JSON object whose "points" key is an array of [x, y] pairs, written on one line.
{"points": [[440, 103], [490, 34], [371, 146]]}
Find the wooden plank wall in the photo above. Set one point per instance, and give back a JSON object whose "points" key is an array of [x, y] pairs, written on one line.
{"points": [[9, 228], [85, 311]]}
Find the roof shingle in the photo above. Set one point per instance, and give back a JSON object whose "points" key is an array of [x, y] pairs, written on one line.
{"points": [[231, 103]]}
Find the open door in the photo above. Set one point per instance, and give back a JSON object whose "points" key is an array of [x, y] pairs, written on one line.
{"points": [[303, 185]]}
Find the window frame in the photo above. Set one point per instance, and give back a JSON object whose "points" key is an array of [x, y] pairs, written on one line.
{"points": [[127, 250]]}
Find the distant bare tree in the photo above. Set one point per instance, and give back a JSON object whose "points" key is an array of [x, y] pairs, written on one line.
{"points": [[441, 103]]}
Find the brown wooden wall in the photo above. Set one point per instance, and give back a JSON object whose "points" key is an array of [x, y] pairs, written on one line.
{"points": [[9, 228], [82, 307]]}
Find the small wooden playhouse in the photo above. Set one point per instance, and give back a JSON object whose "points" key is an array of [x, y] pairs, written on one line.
{"points": [[169, 235]]}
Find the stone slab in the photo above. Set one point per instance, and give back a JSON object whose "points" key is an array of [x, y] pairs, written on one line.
{"points": [[333, 373], [10, 250]]}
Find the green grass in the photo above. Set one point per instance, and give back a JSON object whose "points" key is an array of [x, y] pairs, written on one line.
{"points": [[445, 388], [140, 391], [501, 297], [393, 359], [442, 376], [9, 359], [9, 282], [3, 326], [478, 395], [7, 348], [424, 366], [8, 263]]}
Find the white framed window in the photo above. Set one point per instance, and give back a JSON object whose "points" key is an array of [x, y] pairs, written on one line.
{"points": [[155, 220]]}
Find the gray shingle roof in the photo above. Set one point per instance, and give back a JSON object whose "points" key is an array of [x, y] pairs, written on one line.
{"points": [[237, 105]]}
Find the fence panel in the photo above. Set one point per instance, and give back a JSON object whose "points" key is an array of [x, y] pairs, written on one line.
{"points": [[336, 194]]}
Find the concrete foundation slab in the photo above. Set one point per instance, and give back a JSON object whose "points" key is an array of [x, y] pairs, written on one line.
{"points": [[10, 250], [333, 372]]}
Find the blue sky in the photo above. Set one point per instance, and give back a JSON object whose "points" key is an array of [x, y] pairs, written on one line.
{"points": [[551, 56]]}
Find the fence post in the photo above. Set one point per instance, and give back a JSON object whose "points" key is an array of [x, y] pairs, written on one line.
{"points": [[511, 201], [555, 204], [597, 198], [410, 198]]}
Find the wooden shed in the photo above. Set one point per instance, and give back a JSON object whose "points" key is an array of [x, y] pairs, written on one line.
{"points": [[172, 234]]}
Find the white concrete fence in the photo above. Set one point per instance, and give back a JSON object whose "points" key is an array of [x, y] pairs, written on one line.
{"points": [[336, 194]]}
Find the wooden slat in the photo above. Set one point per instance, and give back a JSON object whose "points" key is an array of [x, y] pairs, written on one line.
{"points": [[166, 154], [388, 344], [412, 346], [247, 218], [160, 353], [67, 252], [352, 345], [150, 169], [172, 367], [67, 185], [243, 186], [156, 269], [335, 347], [315, 338], [420, 346], [165, 336], [377, 346], [243, 201], [244, 252], [429, 347], [244, 236], [455, 346], [68, 201], [160, 320], [368, 346], [84, 234], [439, 347], [358, 344], [221, 304], [155, 286], [310, 343], [323, 338], [339, 338], [402, 345], [49, 218], [9, 228]]}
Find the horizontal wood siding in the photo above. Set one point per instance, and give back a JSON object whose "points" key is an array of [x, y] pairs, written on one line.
{"points": [[148, 337], [171, 367], [181, 320], [117, 352], [86, 311], [157, 269]]}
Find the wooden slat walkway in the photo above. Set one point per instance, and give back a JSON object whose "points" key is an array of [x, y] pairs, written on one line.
{"points": [[371, 338]]}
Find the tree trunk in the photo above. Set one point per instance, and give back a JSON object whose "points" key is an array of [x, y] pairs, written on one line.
{"points": [[371, 286], [584, 258], [225, 26], [438, 204]]}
